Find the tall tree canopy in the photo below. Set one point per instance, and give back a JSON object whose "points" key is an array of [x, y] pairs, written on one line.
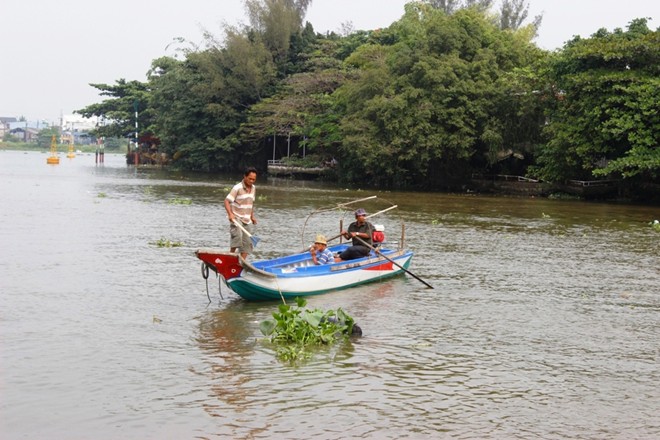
{"points": [[450, 89], [427, 107], [606, 121]]}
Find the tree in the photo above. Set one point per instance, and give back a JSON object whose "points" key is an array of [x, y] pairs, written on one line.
{"points": [[425, 110], [181, 121], [276, 22], [513, 14], [118, 110], [606, 119], [451, 6], [300, 108], [448, 6]]}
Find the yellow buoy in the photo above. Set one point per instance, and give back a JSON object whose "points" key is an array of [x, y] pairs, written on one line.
{"points": [[53, 159]]}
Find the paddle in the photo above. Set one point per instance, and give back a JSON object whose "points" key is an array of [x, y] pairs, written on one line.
{"points": [[393, 262], [255, 240]]}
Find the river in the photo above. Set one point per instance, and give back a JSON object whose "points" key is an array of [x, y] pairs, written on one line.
{"points": [[544, 321]]}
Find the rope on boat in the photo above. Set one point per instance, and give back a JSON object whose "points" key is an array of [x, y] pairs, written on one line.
{"points": [[205, 275], [219, 286], [277, 283]]}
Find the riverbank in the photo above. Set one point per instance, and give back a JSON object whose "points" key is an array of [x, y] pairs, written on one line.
{"points": [[61, 148], [617, 191]]}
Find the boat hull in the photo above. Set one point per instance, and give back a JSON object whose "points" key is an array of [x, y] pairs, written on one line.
{"points": [[293, 276]]}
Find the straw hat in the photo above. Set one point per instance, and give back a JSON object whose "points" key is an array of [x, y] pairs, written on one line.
{"points": [[320, 239]]}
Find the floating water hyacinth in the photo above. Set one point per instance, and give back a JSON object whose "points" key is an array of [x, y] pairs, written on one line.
{"points": [[294, 330], [167, 243]]}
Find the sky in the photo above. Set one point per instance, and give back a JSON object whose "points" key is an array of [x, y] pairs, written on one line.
{"points": [[51, 50]]}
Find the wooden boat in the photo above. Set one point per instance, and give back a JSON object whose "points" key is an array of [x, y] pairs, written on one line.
{"points": [[296, 275]]}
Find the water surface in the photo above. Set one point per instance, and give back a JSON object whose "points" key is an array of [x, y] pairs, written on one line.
{"points": [[543, 323]]}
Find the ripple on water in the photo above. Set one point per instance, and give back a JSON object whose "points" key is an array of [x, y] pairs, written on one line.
{"points": [[543, 322]]}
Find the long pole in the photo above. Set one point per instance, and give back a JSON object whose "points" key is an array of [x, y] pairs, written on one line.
{"points": [[273, 147], [393, 262], [380, 212], [137, 149], [102, 152]]}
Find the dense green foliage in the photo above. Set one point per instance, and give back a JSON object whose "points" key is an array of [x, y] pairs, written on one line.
{"points": [[295, 329], [440, 98], [448, 90], [126, 97], [605, 120]]}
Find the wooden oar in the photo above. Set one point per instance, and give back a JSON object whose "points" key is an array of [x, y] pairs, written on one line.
{"points": [[255, 240], [393, 262]]}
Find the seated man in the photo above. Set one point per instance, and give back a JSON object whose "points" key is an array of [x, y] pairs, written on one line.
{"points": [[320, 252], [360, 231]]}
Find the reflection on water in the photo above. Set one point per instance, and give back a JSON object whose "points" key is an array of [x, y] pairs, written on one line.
{"points": [[543, 322]]}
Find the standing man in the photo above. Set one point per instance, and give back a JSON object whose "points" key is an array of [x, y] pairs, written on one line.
{"points": [[360, 229], [239, 205]]}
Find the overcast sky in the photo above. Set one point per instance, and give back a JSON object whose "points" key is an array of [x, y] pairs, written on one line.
{"points": [[52, 49]]}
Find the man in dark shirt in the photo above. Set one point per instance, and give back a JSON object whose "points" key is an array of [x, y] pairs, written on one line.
{"points": [[360, 229]]}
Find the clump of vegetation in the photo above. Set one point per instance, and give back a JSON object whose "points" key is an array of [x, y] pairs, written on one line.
{"points": [[101, 195], [178, 201], [163, 242], [655, 224], [295, 329]]}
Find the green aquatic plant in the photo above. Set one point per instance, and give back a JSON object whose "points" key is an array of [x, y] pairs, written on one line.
{"points": [[655, 224], [101, 195], [163, 242], [178, 201], [295, 329]]}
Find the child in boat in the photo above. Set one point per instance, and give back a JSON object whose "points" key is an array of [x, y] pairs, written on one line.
{"points": [[320, 252]]}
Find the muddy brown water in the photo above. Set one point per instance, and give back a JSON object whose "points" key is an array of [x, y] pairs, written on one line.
{"points": [[543, 323]]}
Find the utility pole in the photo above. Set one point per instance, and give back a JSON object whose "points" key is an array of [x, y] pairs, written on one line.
{"points": [[137, 149]]}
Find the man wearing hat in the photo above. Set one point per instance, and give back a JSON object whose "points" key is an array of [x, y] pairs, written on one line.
{"points": [[320, 252], [360, 229]]}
